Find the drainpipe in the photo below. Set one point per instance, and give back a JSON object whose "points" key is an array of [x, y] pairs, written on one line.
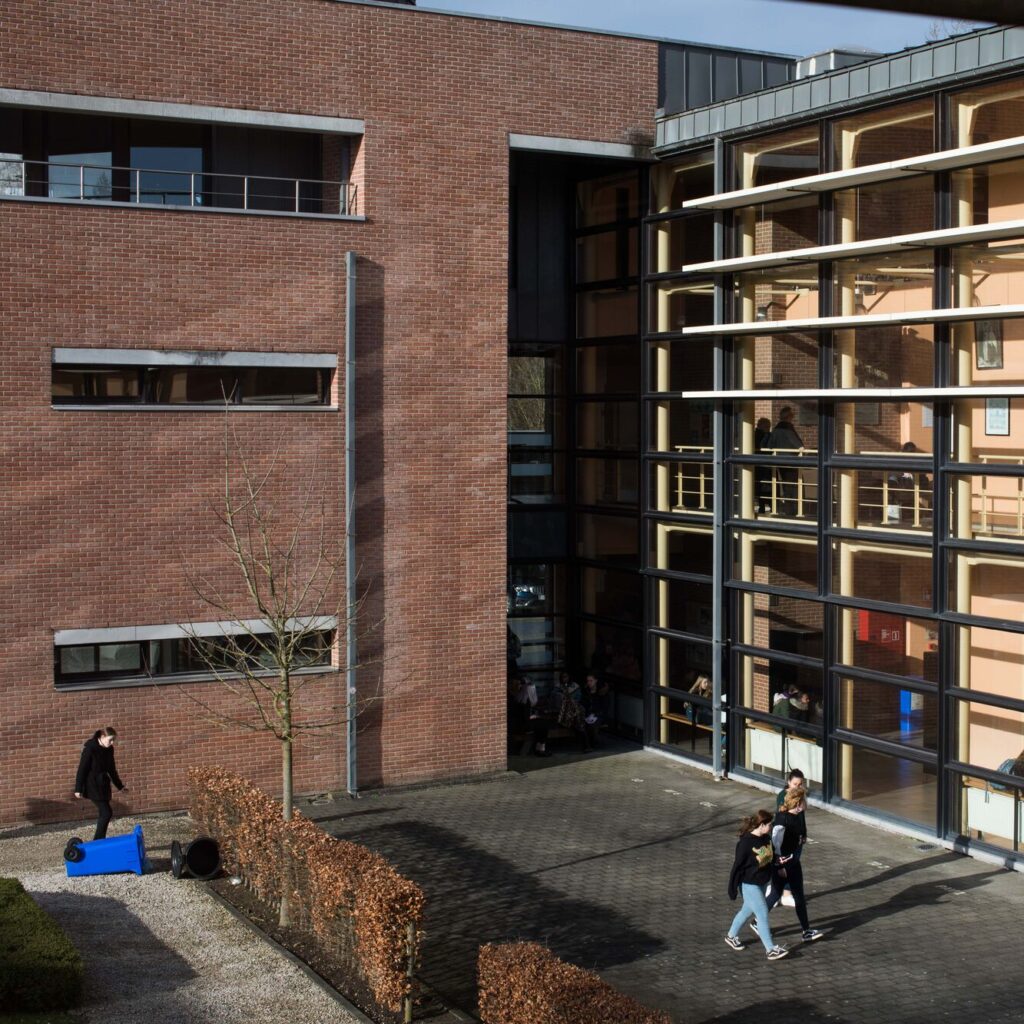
{"points": [[350, 522]]}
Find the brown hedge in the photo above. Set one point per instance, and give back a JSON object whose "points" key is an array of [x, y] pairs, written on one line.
{"points": [[525, 983], [348, 898]]}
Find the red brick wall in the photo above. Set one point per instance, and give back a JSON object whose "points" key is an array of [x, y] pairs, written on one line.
{"points": [[96, 505]]}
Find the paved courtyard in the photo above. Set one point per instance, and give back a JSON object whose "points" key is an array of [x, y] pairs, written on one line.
{"points": [[620, 863]]}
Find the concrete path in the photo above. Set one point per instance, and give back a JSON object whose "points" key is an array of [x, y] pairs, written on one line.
{"points": [[620, 864]]}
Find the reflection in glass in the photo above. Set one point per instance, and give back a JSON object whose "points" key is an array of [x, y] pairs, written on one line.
{"points": [[879, 136], [678, 365], [782, 689], [776, 294], [536, 477], [990, 661], [780, 623], [986, 584], [886, 712], [988, 353], [535, 422], [609, 594], [875, 572], [893, 785], [904, 429], [674, 183], [608, 425], [988, 274], [606, 312], [536, 589], [777, 157], [607, 482], [677, 547], [607, 369], [673, 305], [682, 487], [885, 356], [682, 426], [891, 499], [900, 282], [681, 241], [683, 606], [606, 200], [94, 384], [893, 643], [541, 641], [902, 207], [987, 113], [775, 227], [607, 256], [607, 539], [775, 561], [684, 724]]}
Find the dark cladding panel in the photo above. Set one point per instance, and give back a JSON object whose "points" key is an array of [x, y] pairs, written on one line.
{"points": [[698, 78], [695, 76]]}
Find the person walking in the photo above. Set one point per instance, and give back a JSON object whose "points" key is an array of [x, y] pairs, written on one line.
{"points": [[751, 872], [796, 782], [788, 834], [96, 771]]}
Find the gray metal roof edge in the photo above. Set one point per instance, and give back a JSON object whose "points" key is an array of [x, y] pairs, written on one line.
{"points": [[564, 28], [716, 116]]}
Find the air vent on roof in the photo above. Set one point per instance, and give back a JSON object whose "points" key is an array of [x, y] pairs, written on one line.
{"points": [[831, 60]]}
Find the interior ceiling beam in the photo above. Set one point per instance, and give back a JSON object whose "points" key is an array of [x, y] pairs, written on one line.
{"points": [[1004, 12]]}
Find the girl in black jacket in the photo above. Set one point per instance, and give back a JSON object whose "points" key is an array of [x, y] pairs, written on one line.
{"points": [[788, 834], [96, 771], [751, 872]]}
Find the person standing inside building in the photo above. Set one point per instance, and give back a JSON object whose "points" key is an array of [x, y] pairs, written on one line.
{"points": [[96, 771], [751, 872], [762, 474], [788, 834], [786, 441]]}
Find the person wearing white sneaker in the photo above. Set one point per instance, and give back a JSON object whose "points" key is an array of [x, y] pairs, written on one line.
{"points": [[751, 871], [786, 832], [794, 780]]}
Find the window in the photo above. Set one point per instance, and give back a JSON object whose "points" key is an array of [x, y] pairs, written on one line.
{"points": [[180, 655], [187, 378]]}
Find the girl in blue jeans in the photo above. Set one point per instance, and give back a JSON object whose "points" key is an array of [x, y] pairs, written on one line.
{"points": [[751, 872]]}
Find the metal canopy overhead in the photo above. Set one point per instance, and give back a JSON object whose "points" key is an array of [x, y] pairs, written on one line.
{"points": [[1007, 12]]}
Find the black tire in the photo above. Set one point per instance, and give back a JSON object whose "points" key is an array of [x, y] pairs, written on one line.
{"points": [[74, 853], [177, 859]]}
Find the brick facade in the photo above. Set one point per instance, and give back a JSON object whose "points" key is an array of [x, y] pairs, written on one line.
{"points": [[98, 505]]}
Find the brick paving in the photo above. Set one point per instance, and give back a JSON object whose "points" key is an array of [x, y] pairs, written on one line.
{"points": [[619, 863]]}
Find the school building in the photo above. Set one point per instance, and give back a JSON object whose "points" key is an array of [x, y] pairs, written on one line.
{"points": [[668, 361]]}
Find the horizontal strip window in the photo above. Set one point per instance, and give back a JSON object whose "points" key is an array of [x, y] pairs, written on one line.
{"points": [[162, 385], [194, 657]]}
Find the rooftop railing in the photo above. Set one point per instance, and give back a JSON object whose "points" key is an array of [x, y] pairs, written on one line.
{"points": [[200, 190]]}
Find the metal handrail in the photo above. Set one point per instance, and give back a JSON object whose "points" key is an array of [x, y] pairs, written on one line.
{"points": [[136, 189]]}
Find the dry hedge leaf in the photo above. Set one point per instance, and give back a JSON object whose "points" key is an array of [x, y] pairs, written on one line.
{"points": [[343, 894], [525, 983]]}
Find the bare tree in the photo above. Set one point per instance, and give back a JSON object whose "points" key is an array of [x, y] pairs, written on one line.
{"points": [[271, 642], [943, 28]]}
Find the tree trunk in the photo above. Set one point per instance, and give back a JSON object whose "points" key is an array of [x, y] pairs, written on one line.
{"points": [[287, 802]]}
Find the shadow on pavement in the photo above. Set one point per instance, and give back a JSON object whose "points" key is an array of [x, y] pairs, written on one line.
{"points": [[924, 894], [123, 958], [890, 873], [791, 1011], [474, 897]]}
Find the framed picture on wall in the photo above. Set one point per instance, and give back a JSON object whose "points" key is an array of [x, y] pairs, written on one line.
{"points": [[997, 417], [867, 414], [807, 414], [988, 344]]}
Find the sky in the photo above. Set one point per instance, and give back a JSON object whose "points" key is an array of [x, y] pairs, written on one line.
{"points": [[779, 26]]}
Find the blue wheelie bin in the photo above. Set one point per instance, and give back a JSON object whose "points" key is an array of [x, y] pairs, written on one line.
{"points": [[106, 856]]}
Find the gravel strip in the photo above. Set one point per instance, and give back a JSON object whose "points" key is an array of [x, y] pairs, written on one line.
{"points": [[159, 950]]}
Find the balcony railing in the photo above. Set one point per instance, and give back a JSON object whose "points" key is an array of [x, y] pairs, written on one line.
{"points": [[200, 190]]}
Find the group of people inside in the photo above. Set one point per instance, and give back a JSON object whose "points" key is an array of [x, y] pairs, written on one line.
{"points": [[789, 701], [767, 863], [580, 709]]}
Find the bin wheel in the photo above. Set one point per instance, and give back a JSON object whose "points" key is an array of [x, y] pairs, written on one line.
{"points": [[177, 859], [73, 852]]}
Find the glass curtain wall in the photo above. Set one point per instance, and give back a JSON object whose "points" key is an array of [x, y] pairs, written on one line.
{"points": [[874, 547], [574, 594]]}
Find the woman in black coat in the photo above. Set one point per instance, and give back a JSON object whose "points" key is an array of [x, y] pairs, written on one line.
{"points": [[96, 771]]}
